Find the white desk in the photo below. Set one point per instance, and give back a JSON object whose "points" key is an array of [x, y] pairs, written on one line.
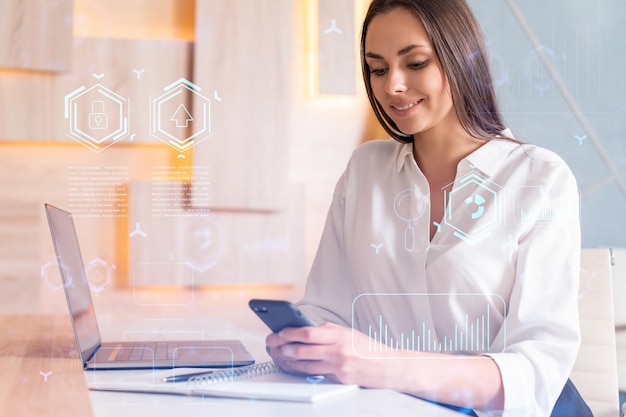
{"points": [[361, 403], [42, 375]]}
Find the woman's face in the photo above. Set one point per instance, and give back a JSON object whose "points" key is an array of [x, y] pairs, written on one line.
{"points": [[405, 73]]}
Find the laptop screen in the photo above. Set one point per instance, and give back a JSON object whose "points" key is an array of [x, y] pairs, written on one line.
{"points": [[74, 280]]}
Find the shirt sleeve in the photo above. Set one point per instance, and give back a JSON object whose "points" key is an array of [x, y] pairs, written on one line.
{"points": [[540, 341], [328, 295]]}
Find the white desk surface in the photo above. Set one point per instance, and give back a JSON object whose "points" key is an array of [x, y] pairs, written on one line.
{"points": [[360, 403], [212, 315]]}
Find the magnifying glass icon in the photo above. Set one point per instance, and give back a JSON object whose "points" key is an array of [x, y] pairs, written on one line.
{"points": [[409, 205]]}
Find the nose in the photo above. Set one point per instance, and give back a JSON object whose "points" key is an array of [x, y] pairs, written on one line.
{"points": [[396, 82]]}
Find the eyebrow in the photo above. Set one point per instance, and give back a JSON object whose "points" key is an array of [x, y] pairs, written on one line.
{"points": [[401, 52]]}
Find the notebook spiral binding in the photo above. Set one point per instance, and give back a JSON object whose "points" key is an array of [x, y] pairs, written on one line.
{"points": [[235, 374]]}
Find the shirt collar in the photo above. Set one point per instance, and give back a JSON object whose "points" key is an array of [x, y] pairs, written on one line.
{"points": [[405, 152], [488, 157], [485, 159]]}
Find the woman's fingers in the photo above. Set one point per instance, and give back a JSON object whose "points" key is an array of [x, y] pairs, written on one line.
{"points": [[304, 352], [323, 334], [274, 340], [323, 350]]}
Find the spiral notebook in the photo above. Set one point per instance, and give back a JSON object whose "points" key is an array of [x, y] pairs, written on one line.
{"points": [[263, 381]]}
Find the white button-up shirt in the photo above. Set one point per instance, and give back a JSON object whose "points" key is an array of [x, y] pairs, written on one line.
{"points": [[499, 278]]}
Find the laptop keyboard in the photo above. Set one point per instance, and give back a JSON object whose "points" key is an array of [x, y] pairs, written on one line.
{"points": [[145, 351]]}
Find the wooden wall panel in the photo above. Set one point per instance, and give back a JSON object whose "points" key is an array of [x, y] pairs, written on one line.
{"points": [[34, 173], [134, 19], [36, 34], [242, 58], [32, 104]]}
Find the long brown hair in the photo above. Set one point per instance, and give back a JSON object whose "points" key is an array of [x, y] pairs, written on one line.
{"points": [[459, 45]]}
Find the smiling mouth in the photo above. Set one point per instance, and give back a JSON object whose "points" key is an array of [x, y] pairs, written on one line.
{"points": [[407, 106]]}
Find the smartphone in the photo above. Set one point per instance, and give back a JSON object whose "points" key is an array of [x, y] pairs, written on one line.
{"points": [[278, 314]]}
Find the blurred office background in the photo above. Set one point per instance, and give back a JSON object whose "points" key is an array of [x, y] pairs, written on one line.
{"points": [[277, 84]]}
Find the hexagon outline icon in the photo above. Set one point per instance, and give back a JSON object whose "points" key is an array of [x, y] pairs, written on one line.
{"points": [[536, 57], [71, 113], [160, 132], [109, 272], [483, 230], [45, 275], [122, 121]]}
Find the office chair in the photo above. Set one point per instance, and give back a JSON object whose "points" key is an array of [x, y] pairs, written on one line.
{"points": [[595, 370], [619, 296]]}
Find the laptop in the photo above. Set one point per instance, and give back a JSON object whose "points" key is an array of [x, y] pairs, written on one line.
{"points": [[124, 355]]}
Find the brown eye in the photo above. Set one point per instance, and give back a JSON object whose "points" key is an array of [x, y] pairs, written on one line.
{"points": [[418, 65], [378, 72]]}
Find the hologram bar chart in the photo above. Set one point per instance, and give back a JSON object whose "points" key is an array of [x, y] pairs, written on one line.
{"points": [[548, 214], [475, 323], [474, 336], [557, 208]]}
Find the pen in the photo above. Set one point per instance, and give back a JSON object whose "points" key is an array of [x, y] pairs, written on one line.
{"points": [[184, 377]]}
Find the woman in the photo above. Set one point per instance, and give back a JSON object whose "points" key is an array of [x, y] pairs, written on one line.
{"points": [[449, 264]]}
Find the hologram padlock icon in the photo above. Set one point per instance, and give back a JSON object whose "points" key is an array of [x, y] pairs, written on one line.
{"points": [[98, 119]]}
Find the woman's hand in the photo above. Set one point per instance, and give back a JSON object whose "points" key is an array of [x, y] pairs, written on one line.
{"points": [[330, 350], [323, 350]]}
